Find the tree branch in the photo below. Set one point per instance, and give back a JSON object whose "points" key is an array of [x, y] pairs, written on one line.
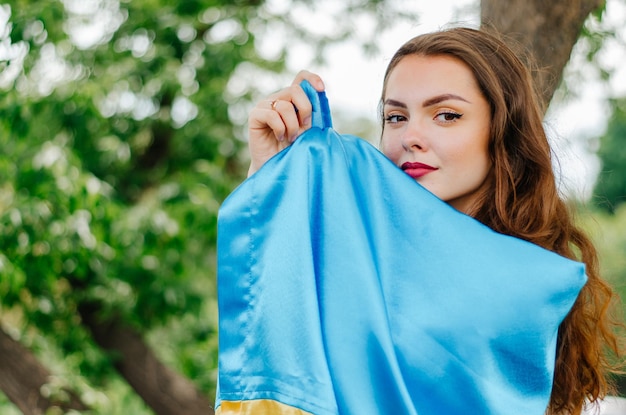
{"points": [[549, 29], [22, 378], [164, 390]]}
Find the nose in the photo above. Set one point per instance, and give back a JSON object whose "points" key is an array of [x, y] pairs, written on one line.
{"points": [[414, 139]]}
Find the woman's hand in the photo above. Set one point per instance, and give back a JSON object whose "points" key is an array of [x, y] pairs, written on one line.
{"points": [[276, 121]]}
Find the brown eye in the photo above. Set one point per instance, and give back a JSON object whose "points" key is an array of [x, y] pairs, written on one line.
{"points": [[394, 119], [448, 117]]}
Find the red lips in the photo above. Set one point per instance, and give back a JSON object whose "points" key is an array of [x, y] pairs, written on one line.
{"points": [[417, 170]]}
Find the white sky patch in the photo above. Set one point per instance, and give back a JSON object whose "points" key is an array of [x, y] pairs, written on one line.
{"points": [[91, 22], [354, 80]]}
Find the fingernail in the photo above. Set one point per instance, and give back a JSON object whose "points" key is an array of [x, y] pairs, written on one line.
{"points": [[307, 121], [281, 137]]}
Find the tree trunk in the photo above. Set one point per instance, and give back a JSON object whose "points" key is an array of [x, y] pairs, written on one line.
{"points": [[163, 390], [548, 29], [22, 378]]}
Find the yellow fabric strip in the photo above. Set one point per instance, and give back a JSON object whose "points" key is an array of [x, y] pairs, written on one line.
{"points": [[258, 407]]}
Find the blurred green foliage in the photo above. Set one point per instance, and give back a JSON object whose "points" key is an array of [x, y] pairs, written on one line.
{"points": [[608, 233], [608, 223], [610, 189], [121, 132]]}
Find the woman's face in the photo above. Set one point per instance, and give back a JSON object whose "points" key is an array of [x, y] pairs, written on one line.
{"points": [[436, 127]]}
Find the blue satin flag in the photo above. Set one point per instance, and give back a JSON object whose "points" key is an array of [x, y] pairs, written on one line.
{"points": [[345, 287]]}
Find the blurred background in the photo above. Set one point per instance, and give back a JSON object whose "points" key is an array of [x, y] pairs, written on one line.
{"points": [[122, 129]]}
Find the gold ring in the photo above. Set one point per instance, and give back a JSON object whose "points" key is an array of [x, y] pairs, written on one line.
{"points": [[273, 104]]}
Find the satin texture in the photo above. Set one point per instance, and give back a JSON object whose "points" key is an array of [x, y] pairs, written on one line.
{"points": [[344, 287]]}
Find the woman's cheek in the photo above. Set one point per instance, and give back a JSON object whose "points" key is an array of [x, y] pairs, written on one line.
{"points": [[391, 149]]}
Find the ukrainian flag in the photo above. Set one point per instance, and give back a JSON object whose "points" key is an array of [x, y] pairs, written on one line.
{"points": [[345, 287]]}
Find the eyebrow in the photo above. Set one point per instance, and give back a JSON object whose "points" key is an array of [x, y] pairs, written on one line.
{"points": [[429, 102]]}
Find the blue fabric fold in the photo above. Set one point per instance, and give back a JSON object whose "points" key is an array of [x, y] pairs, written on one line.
{"points": [[344, 287]]}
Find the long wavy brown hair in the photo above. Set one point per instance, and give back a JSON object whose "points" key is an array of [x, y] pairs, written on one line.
{"points": [[523, 200]]}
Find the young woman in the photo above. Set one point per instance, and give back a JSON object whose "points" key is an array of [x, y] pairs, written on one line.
{"points": [[461, 117]]}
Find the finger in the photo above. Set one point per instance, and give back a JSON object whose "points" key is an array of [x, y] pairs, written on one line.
{"points": [[294, 105], [289, 115], [261, 119], [303, 105], [314, 79]]}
